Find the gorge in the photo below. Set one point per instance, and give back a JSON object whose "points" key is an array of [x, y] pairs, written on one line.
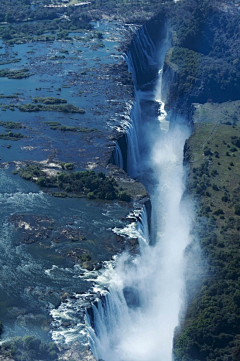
{"points": [[120, 199], [136, 320], [191, 74]]}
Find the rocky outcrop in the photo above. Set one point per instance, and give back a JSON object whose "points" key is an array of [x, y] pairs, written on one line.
{"points": [[77, 353]]}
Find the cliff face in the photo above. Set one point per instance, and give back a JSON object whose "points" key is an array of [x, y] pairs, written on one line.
{"points": [[144, 53], [211, 326], [192, 81], [196, 71], [203, 68], [202, 63]]}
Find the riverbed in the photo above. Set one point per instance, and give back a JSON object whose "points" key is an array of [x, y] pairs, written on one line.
{"points": [[53, 248]]}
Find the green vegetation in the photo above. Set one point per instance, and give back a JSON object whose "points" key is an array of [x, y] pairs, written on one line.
{"points": [[57, 57], [10, 125], [204, 66], [187, 64], [212, 324], [22, 26], [65, 108], [204, 61], [86, 183], [85, 257], [48, 100], [11, 61], [68, 166], [4, 107], [15, 74], [14, 9], [205, 53], [29, 348], [25, 23], [3, 96], [67, 128], [11, 136]]}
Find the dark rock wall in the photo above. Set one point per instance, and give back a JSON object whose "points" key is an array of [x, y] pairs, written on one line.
{"points": [[144, 52], [144, 59]]}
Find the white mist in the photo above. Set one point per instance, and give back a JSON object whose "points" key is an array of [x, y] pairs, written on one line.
{"points": [[136, 321]]}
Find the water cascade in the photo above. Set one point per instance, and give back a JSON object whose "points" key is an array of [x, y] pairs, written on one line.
{"points": [[135, 321], [117, 156]]}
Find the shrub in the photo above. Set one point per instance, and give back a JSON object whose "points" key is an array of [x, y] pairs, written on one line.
{"points": [[237, 210], [68, 166], [89, 183], [110, 195], [225, 198], [236, 141], [41, 181], [68, 188], [85, 257], [91, 195], [30, 348], [123, 196], [218, 212], [207, 152]]}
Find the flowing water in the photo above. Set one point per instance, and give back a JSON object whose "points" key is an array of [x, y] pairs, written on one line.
{"points": [[35, 275], [135, 321], [37, 270]]}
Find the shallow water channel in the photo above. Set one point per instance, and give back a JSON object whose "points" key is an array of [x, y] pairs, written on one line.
{"points": [[39, 269]]}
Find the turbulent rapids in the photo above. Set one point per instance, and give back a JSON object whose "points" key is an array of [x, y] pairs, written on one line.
{"points": [[135, 321]]}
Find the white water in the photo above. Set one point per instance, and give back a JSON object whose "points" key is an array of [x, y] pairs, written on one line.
{"points": [[117, 156], [136, 320], [156, 278]]}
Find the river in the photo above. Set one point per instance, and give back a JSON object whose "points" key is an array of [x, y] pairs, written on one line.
{"points": [[44, 289]]}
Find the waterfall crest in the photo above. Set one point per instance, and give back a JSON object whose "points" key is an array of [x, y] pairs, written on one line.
{"points": [[135, 321]]}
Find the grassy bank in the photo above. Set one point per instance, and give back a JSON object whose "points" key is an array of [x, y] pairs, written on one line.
{"points": [[211, 328]]}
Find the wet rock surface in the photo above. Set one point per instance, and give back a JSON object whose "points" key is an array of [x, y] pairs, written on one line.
{"points": [[32, 228]]}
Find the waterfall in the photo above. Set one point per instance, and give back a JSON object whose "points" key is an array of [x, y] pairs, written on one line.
{"points": [[142, 57], [135, 321], [133, 136], [117, 156]]}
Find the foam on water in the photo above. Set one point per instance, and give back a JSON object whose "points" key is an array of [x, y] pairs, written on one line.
{"points": [[135, 321]]}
